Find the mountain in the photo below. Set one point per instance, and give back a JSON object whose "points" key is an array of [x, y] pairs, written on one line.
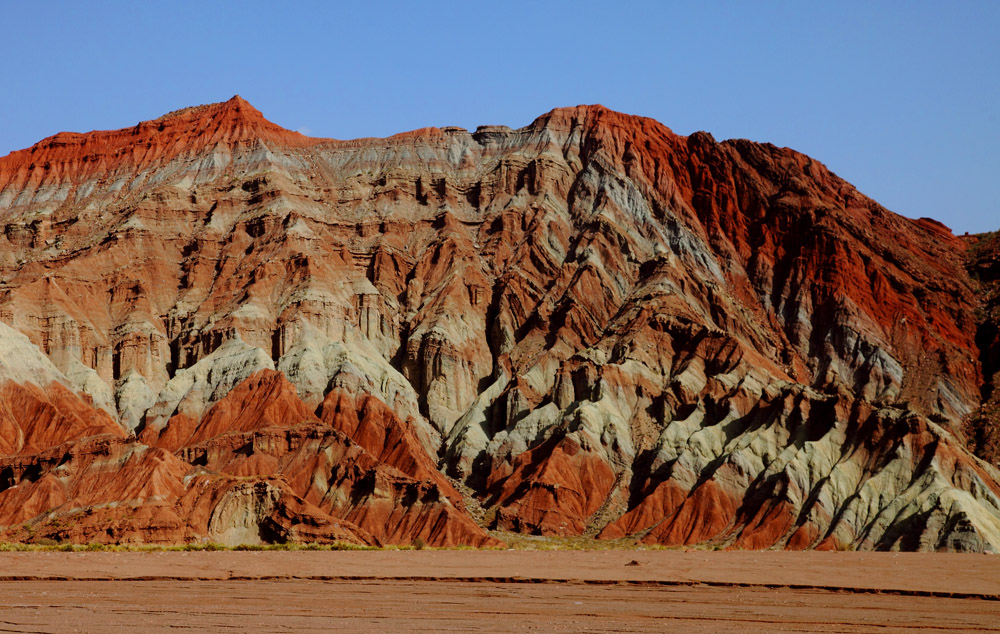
{"points": [[214, 328]]}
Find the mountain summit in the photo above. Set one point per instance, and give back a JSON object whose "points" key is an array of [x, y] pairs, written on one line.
{"points": [[212, 327], [70, 157]]}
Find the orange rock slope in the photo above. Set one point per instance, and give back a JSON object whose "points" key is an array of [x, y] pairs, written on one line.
{"points": [[214, 328]]}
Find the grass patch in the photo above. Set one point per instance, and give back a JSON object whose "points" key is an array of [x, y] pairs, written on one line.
{"points": [[52, 546], [512, 541], [518, 541]]}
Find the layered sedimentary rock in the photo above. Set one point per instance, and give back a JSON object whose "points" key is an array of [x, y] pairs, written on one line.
{"points": [[258, 466], [589, 326]]}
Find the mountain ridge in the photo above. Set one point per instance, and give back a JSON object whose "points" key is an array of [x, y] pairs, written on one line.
{"points": [[596, 325]]}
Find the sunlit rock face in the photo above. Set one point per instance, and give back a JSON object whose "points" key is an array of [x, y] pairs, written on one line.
{"points": [[217, 329]]}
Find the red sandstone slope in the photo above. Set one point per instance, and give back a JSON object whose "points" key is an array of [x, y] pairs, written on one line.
{"points": [[74, 158], [258, 467], [601, 327]]}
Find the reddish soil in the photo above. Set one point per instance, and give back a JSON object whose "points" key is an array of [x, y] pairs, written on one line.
{"points": [[501, 591]]}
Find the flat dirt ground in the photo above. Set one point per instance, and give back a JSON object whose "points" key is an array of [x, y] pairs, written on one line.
{"points": [[498, 591]]}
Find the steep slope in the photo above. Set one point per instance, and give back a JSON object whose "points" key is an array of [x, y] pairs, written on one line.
{"points": [[983, 428], [258, 466], [601, 327]]}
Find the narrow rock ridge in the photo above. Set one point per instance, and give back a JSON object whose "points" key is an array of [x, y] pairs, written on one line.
{"points": [[592, 325]]}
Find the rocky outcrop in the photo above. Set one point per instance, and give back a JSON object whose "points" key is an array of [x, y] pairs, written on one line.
{"points": [[590, 325], [258, 467]]}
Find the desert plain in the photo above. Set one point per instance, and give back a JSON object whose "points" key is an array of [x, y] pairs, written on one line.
{"points": [[499, 591]]}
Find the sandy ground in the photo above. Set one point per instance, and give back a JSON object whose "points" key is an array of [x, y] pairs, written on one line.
{"points": [[499, 591]]}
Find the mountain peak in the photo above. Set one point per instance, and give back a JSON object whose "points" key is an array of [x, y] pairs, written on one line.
{"points": [[235, 107], [596, 116], [240, 105], [180, 132]]}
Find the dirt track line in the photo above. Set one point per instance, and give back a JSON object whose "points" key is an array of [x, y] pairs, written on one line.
{"points": [[648, 583]]}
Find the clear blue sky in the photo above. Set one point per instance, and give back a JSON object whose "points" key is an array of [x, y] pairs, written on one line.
{"points": [[900, 98]]}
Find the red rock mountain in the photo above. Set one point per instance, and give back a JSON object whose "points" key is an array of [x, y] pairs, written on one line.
{"points": [[214, 328]]}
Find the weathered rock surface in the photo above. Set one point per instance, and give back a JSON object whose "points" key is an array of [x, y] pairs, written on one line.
{"points": [[234, 332], [983, 428]]}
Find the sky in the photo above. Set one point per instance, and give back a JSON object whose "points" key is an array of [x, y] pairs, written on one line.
{"points": [[901, 98]]}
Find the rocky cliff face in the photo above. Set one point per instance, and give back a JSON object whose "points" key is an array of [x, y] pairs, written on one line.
{"points": [[216, 328]]}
